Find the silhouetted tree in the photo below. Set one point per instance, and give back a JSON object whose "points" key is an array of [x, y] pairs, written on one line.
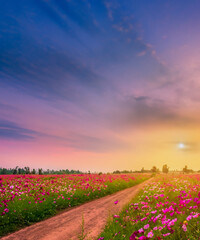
{"points": [[186, 170], [15, 170], [116, 172], [154, 169], [165, 168]]}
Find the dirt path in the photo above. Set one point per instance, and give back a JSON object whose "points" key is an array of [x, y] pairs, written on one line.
{"points": [[67, 225]]}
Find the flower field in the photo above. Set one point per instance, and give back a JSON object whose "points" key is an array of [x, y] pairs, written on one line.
{"points": [[25, 199], [167, 208]]}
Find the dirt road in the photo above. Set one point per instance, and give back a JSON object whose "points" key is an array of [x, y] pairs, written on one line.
{"points": [[67, 225]]}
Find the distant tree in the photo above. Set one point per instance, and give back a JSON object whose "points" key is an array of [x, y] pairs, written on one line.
{"points": [[142, 170], [165, 168], [27, 170], [15, 170], [154, 169], [40, 171], [125, 171], [33, 171], [185, 169], [116, 172], [4, 171]]}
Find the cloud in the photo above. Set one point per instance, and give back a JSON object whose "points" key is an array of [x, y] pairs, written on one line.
{"points": [[146, 111], [12, 131], [140, 54], [93, 144], [66, 56], [47, 73], [7, 107]]}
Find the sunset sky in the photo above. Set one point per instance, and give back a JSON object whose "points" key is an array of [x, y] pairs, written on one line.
{"points": [[100, 85]]}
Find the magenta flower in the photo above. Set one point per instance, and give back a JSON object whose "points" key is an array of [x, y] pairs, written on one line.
{"points": [[133, 236], [166, 234], [141, 230], [150, 234], [146, 226], [184, 227]]}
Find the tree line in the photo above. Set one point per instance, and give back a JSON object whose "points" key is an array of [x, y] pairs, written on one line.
{"points": [[154, 169], [40, 171]]}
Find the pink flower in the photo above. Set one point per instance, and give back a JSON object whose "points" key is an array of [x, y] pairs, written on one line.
{"points": [[189, 218], [166, 234], [184, 227], [133, 236], [153, 212], [142, 238], [146, 226], [150, 234], [141, 230]]}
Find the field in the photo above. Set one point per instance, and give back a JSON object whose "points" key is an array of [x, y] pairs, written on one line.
{"points": [[167, 208], [25, 199]]}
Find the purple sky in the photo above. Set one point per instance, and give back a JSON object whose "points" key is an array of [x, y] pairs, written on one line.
{"points": [[101, 85]]}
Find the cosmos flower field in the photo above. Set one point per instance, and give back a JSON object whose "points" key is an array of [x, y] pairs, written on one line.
{"points": [[25, 199], [167, 208]]}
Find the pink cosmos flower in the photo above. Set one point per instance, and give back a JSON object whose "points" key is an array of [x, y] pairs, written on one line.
{"points": [[146, 226], [189, 218], [166, 234], [150, 234], [184, 227], [142, 238]]}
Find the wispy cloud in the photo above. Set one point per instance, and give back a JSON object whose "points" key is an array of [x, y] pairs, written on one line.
{"points": [[12, 131], [145, 111]]}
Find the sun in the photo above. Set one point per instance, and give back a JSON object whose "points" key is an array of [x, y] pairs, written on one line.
{"points": [[181, 145]]}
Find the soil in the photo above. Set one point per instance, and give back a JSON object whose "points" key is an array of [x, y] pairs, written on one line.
{"points": [[67, 225]]}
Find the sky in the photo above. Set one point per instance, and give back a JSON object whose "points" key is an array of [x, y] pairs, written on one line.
{"points": [[100, 85]]}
